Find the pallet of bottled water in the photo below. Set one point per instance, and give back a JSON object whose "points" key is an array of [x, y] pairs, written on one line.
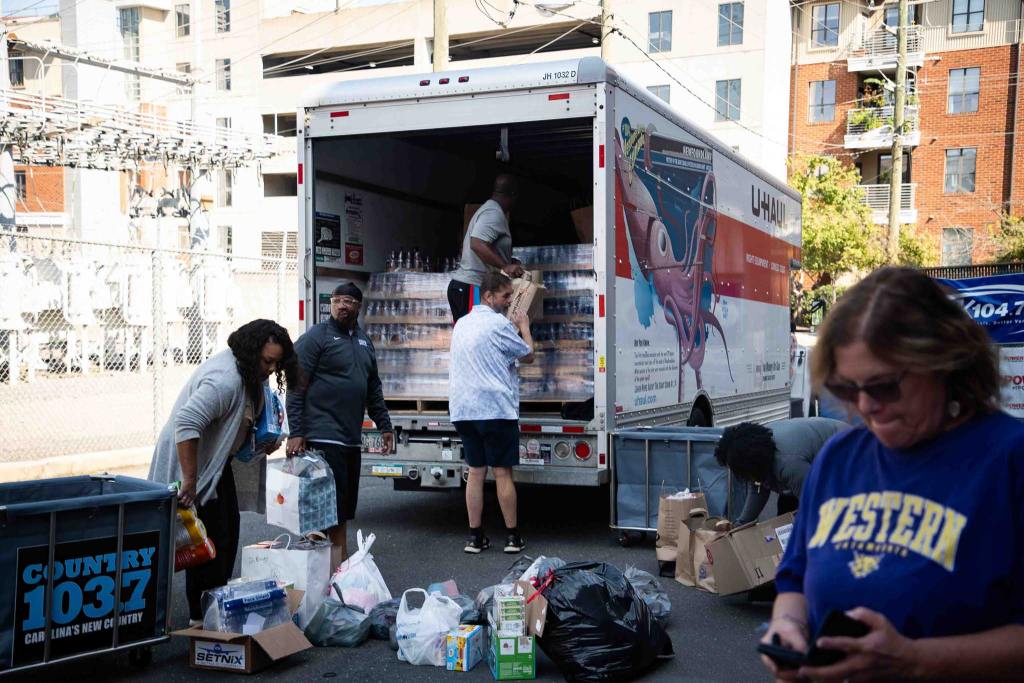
{"points": [[556, 257], [408, 285]]}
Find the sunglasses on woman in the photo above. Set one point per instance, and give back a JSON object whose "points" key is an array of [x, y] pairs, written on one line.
{"points": [[886, 391]]}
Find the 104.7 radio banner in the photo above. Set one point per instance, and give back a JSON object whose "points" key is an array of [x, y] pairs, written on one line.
{"points": [[84, 596]]}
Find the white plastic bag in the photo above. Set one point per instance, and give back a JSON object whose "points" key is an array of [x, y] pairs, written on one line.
{"points": [[358, 582], [306, 564], [422, 633]]}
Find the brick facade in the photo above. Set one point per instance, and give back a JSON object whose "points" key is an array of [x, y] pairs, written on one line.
{"points": [[988, 130], [984, 130], [44, 189]]}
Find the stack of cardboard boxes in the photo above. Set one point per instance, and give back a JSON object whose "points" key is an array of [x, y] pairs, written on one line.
{"points": [[515, 622]]}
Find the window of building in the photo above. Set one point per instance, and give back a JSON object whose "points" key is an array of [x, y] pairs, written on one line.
{"points": [[225, 239], [223, 11], [964, 85], [823, 101], [226, 188], [280, 124], [20, 185], [128, 23], [957, 246], [730, 23], [825, 25], [960, 165], [183, 67], [182, 20], [662, 92], [280, 185], [222, 123], [727, 100], [16, 70], [885, 168], [968, 15], [222, 67], [660, 35]]}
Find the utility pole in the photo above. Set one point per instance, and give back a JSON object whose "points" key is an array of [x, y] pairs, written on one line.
{"points": [[8, 190], [440, 35], [896, 181], [606, 33]]}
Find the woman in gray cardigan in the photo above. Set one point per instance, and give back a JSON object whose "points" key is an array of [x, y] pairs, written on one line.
{"points": [[210, 421]]}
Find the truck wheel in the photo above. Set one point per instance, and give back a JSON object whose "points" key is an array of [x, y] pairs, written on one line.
{"points": [[698, 418]]}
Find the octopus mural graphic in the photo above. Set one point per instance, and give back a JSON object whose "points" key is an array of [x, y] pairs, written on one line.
{"points": [[667, 194]]}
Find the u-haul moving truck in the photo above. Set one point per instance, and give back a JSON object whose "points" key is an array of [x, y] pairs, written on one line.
{"points": [[692, 246]]}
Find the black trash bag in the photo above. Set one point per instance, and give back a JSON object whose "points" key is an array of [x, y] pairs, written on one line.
{"points": [[470, 612], [517, 569], [648, 588], [382, 617], [336, 623], [598, 628]]}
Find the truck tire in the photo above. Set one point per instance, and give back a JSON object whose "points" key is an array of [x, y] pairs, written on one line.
{"points": [[698, 418]]}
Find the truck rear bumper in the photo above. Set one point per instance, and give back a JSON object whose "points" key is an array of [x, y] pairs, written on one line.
{"points": [[452, 475]]}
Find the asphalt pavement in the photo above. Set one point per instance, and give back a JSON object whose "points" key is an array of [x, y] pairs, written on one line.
{"points": [[419, 541]]}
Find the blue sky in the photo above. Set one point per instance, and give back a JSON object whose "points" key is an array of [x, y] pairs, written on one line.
{"points": [[17, 7]]}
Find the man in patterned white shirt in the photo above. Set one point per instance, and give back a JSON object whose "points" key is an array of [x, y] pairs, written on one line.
{"points": [[484, 402]]}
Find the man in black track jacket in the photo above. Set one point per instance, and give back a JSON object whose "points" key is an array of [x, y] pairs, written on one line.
{"points": [[340, 366]]}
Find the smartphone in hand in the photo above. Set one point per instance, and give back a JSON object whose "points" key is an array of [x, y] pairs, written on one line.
{"points": [[837, 623]]}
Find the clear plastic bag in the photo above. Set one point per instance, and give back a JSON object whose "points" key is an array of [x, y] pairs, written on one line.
{"points": [[358, 582], [247, 607], [422, 633]]}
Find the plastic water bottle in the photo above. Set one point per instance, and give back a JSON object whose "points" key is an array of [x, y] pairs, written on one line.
{"points": [[193, 546]]}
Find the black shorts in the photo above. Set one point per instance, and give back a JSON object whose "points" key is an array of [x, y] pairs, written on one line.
{"points": [[345, 462], [489, 443], [461, 298]]}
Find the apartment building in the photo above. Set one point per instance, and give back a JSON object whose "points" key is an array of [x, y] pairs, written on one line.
{"points": [[39, 190], [724, 65], [960, 170]]}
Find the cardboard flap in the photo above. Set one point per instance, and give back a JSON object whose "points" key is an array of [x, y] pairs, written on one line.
{"points": [[281, 641], [536, 609], [294, 599], [219, 636]]}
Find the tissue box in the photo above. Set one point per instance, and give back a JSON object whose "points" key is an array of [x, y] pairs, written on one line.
{"points": [[465, 648]]}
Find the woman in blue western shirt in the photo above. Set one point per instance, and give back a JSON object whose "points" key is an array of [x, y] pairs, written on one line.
{"points": [[913, 523]]}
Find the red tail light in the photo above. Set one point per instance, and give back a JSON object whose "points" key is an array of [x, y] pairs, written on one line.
{"points": [[582, 450]]}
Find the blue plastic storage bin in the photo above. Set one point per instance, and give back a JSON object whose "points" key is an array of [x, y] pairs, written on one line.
{"points": [[649, 462], [80, 526]]}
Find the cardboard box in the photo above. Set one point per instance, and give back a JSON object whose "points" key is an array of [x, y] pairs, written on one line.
{"points": [[465, 648], [527, 295], [671, 511], [748, 556], [583, 219], [536, 608], [238, 653], [512, 658]]}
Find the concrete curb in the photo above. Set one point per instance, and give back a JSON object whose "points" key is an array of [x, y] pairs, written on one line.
{"points": [[73, 465]]}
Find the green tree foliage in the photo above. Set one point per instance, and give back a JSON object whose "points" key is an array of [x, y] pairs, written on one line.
{"points": [[839, 236], [1010, 239]]}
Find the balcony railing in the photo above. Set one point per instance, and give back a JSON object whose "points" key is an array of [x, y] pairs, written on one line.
{"points": [[876, 197], [872, 127], [877, 49], [881, 42]]}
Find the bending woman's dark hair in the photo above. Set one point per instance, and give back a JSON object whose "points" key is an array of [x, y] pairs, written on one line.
{"points": [[247, 344]]}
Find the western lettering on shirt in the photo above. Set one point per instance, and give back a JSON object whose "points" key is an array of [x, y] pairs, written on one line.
{"points": [[891, 522]]}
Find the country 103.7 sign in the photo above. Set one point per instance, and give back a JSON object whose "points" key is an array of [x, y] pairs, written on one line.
{"points": [[85, 594]]}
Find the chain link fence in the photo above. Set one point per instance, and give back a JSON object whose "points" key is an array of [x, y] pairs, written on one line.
{"points": [[96, 340]]}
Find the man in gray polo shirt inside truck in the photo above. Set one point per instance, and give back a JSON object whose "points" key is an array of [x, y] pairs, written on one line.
{"points": [[486, 246]]}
